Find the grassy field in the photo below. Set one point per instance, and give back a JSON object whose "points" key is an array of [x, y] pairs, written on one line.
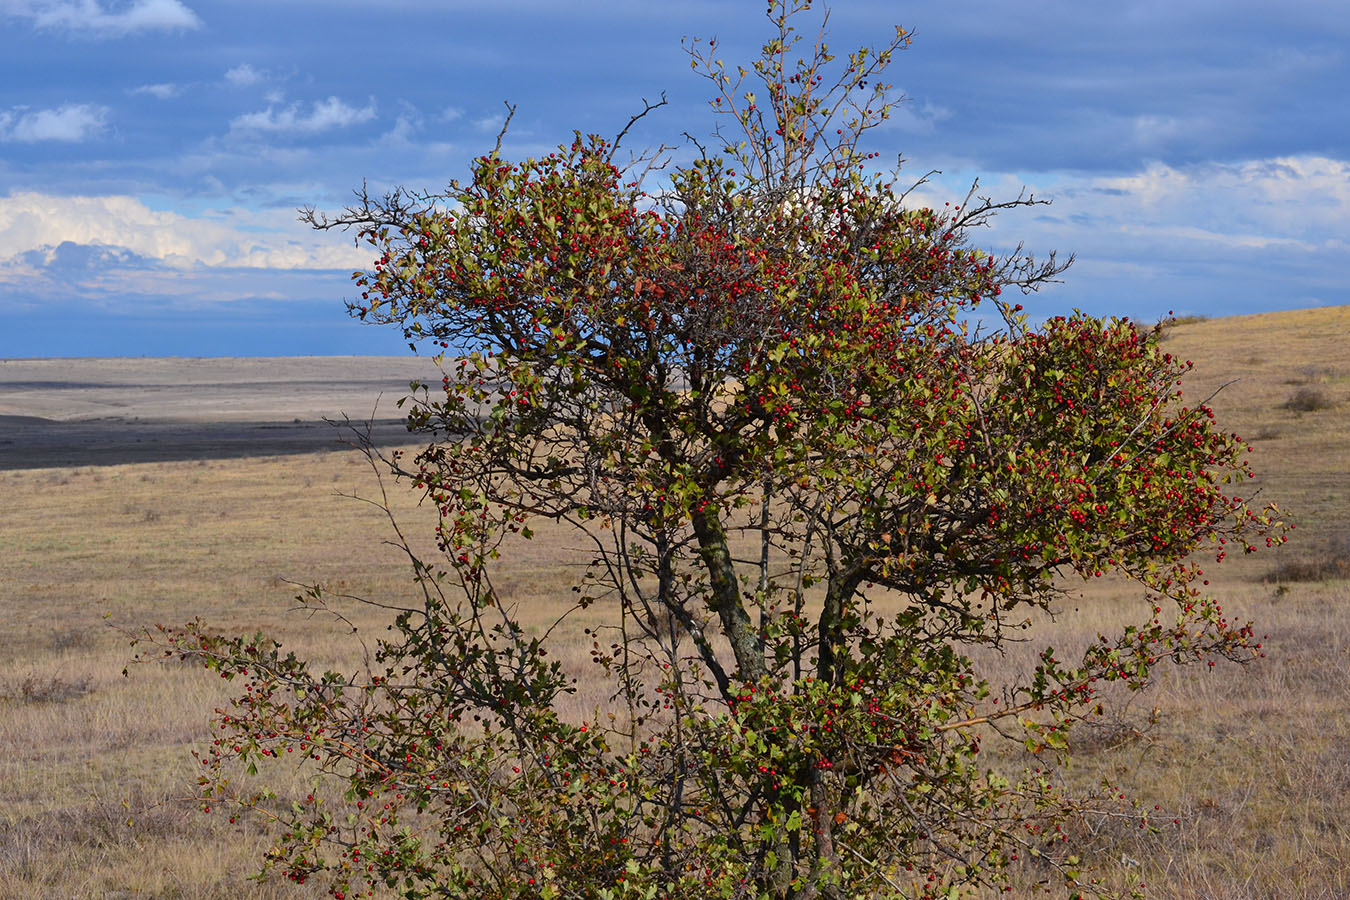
{"points": [[1253, 762]]}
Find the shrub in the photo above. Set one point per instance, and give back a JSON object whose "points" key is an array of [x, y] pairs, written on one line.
{"points": [[1332, 562], [1268, 433], [1308, 399], [34, 688], [755, 396], [1165, 326], [1324, 568]]}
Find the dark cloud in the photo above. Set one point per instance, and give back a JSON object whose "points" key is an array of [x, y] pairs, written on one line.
{"points": [[1101, 87], [1074, 99], [71, 260], [996, 85]]}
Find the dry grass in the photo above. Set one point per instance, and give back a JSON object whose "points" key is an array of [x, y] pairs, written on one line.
{"points": [[1247, 765], [1252, 762], [96, 776], [1301, 457]]}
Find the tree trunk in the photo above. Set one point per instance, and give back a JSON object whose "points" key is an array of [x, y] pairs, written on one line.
{"points": [[726, 595]]}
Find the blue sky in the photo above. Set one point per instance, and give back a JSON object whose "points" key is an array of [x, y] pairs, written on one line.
{"points": [[153, 152]]}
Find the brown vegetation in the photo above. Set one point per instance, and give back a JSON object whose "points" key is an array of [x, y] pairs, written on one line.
{"points": [[92, 764]]}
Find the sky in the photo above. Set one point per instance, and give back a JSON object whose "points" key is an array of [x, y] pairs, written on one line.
{"points": [[153, 153]]}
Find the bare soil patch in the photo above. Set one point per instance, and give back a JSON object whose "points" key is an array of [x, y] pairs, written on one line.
{"points": [[87, 412]]}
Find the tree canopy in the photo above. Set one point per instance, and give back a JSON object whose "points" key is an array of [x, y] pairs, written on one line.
{"points": [[819, 457]]}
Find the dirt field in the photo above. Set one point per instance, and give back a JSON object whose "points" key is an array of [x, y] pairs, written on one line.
{"points": [[96, 772], [98, 412]]}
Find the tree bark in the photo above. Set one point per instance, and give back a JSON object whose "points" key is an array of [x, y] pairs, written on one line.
{"points": [[842, 585], [726, 595]]}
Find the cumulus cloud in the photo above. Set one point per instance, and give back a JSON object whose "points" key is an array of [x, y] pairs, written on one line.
{"points": [[1294, 196], [89, 17], [35, 227], [243, 75], [71, 122], [324, 115], [1216, 237], [71, 260], [103, 277], [1282, 203]]}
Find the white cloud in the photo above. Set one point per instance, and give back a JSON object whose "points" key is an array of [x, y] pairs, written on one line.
{"points": [[1278, 204], [918, 118], [229, 237], [1306, 196], [451, 113], [409, 133], [490, 123], [71, 122], [401, 135], [1219, 237], [1191, 234], [90, 17], [325, 114], [159, 91], [1151, 131], [243, 75]]}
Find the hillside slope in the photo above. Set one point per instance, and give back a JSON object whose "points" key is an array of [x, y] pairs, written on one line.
{"points": [[1285, 380]]}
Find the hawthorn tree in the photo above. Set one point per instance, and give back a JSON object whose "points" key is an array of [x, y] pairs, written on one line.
{"points": [[818, 460]]}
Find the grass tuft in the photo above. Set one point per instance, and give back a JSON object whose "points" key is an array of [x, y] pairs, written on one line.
{"points": [[1322, 568], [1308, 399], [1328, 562], [34, 688]]}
